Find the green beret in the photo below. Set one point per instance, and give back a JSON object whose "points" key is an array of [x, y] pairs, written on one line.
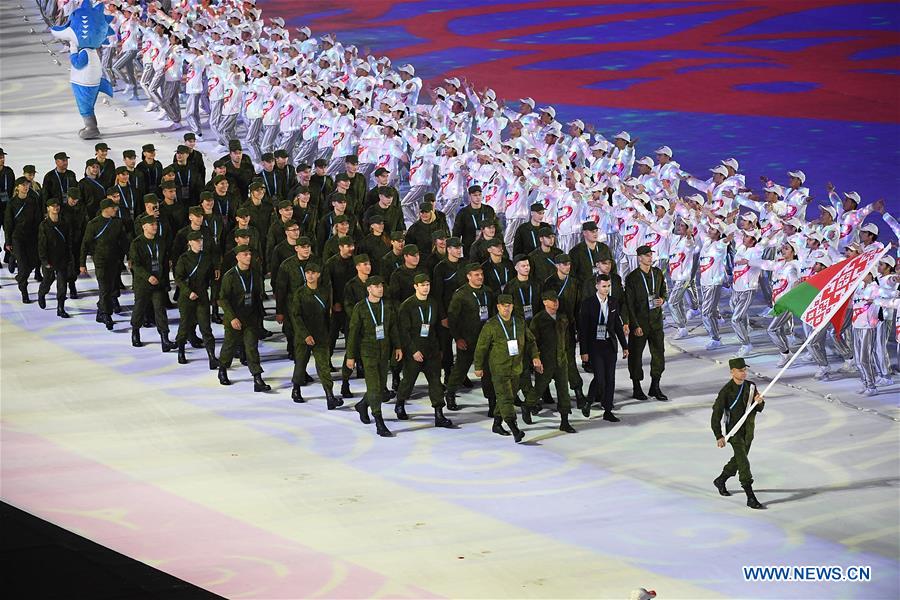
{"points": [[284, 204], [301, 189], [31, 169], [493, 242], [375, 280], [397, 236], [504, 299], [549, 295], [241, 232], [339, 198], [313, 266], [376, 219], [562, 259], [410, 249], [737, 363], [243, 248], [360, 258], [234, 145], [304, 241], [644, 250], [242, 212], [194, 235], [167, 185], [107, 203], [168, 170], [589, 226], [289, 223], [345, 240], [454, 242], [474, 189], [197, 211], [52, 201], [257, 185], [206, 196], [72, 192], [151, 199], [473, 266], [341, 219], [145, 219], [426, 207], [438, 234], [421, 278]]}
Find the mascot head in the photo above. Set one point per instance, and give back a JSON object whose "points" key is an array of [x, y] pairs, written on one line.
{"points": [[87, 27]]}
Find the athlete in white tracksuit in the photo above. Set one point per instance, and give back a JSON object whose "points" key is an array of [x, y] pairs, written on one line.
{"points": [[785, 275], [745, 281]]}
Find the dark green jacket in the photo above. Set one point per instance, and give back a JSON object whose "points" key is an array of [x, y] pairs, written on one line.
{"points": [[524, 292], [291, 277], [463, 313], [354, 292], [637, 306], [193, 273], [311, 314], [23, 215], [335, 275], [584, 260], [492, 348], [105, 240], [401, 283], [54, 243], [566, 291], [468, 223], [231, 296], [542, 265], [497, 275], [726, 412], [361, 342], [148, 257], [445, 280], [552, 338], [410, 327]]}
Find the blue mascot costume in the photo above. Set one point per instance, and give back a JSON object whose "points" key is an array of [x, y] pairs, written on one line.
{"points": [[86, 30]]}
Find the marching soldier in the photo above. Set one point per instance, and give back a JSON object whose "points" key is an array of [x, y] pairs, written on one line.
{"points": [[291, 277], [310, 313], [20, 224], [55, 255], [448, 276], [147, 256], [418, 318], [729, 407], [552, 336], [106, 241], [565, 286], [373, 338], [193, 272], [645, 293], [241, 302], [502, 344], [354, 293]]}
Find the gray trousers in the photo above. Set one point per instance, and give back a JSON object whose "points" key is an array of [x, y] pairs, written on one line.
{"points": [[287, 141], [305, 152], [154, 88], [107, 62], [841, 344], [269, 137], [125, 66], [215, 117], [709, 309], [883, 333], [676, 302], [171, 102], [695, 288], [816, 347], [146, 79], [778, 332], [450, 207], [740, 320], [863, 346], [410, 202], [628, 264], [765, 278], [227, 128], [509, 233], [192, 112], [337, 165], [251, 138]]}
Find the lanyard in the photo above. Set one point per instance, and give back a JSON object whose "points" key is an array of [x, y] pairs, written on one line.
{"points": [[97, 183], [227, 206], [322, 304], [506, 333], [478, 301], [505, 276], [63, 187], [160, 224], [21, 208], [422, 314], [122, 195], [197, 266], [241, 277], [371, 312], [738, 397], [150, 251], [60, 233], [302, 273], [533, 239], [108, 221], [590, 254], [563, 288], [274, 183], [522, 296], [652, 282], [181, 181]]}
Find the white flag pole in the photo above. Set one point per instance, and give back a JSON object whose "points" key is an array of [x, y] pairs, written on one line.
{"points": [[824, 323]]}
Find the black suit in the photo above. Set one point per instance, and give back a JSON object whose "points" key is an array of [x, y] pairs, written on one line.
{"points": [[602, 354]]}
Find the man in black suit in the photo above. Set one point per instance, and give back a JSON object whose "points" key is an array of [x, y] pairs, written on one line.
{"points": [[599, 325]]}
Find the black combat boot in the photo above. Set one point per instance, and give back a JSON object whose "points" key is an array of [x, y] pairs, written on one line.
{"points": [[492, 405], [297, 394], [42, 300], [526, 416], [752, 502], [167, 344], [211, 354], [440, 420], [182, 358], [223, 376], [719, 482], [579, 398], [73, 293], [380, 428], [362, 407], [637, 393], [99, 316], [609, 416], [564, 423], [518, 434], [331, 402], [259, 385], [108, 322], [345, 389], [498, 427], [450, 400], [586, 409], [25, 298], [136, 337], [195, 341], [400, 410], [656, 392]]}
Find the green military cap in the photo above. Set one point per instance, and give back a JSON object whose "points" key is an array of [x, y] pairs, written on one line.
{"points": [[397, 236], [129, 154], [122, 169], [429, 197], [474, 189], [386, 191], [234, 145], [737, 363], [219, 179], [189, 136], [91, 162], [644, 250], [267, 157], [29, 169], [320, 162], [341, 177], [23, 181], [206, 196], [562, 258], [60, 156], [256, 185], [538, 207], [148, 148], [182, 149], [241, 232], [194, 235], [589, 226], [304, 241], [472, 266], [549, 295], [281, 153], [107, 203], [145, 219], [454, 242], [289, 223], [426, 207], [545, 231], [168, 171], [360, 259], [101, 146], [504, 299], [243, 248], [341, 219], [421, 278], [242, 212], [220, 164], [151, 199], [410, 249], [380, 171], [345, 240], [113, 191], [488, 223], [375, 280], [285, 204], [376, 219], [519, 258], [301, 189], [196, 211], [72, 192], [438, 234], [494, 242], [313, 266], [52, 201], [339, 198], [352, 159], [167, 185]]}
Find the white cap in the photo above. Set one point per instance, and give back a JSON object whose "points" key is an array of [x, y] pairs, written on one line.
{"points": [[830, 210], [489, 93], [643, 197], [720, 170], [815, 235], [492, 105], [799, 175], [646, 161], [664, 150], [623, 135], [795, 223], [889, 260], [528, 101], [278, 21], [550, 111], [390, 123], [632, 181], [409, 69], [754, 233], [427, 133], [696, 198], [577, 123], [750, 216], [364, 66], [870, 228], [823, 259], [439, 91], [662, 202], [731, 162], [328, 38], [452, 81], [775, 189], [853, 196]]}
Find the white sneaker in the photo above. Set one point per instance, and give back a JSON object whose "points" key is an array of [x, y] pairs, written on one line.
{"points": [[714, 344], [682, 333], [766, 312], [783, 360], [174, 126], [693, 313], [722, 322], [744, 350], [861, 390], [151, 106], [870, 391], [822, 374], [849, 366], [883, 381], [793, 340]]}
